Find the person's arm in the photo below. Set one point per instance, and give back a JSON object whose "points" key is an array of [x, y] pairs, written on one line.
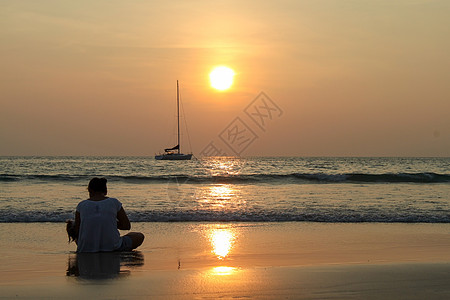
{"points": [[122, 220]]}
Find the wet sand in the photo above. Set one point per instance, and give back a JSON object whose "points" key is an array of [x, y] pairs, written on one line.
{"points": [[233, 260]]}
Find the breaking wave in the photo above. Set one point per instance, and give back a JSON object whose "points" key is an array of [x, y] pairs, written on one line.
{"points": [[320, 215], [249, 178]]}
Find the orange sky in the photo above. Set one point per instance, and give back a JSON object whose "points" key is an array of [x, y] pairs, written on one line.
{"points": [[352, 78]]}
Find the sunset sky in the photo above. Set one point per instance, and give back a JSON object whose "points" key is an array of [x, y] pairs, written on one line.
{"points": [[351, 78]]}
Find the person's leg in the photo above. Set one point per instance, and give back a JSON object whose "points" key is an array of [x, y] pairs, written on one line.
{"points": [[137, 239]]}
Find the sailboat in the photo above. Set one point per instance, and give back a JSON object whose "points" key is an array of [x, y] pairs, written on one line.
{"points": [[174, 153]]}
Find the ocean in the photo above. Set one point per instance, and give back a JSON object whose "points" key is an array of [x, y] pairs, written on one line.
{"points": [[229, 189]]}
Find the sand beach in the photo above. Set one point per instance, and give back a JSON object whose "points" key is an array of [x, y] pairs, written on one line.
{"points": [[290, 260]]}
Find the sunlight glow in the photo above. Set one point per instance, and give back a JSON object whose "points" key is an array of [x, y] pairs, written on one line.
{"points": [[225, 198], [224, 166], [221, 271], [221, 78], [222, 242], [221, 192]]}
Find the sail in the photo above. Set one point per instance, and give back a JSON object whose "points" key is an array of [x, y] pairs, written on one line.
{"points": [[170, 154], [173, 148]]}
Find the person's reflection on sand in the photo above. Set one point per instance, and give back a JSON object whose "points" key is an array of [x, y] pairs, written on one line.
{"points": [[103, 265]]}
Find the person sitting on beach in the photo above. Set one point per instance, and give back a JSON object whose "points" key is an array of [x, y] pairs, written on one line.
{"points": [[97, 221]]}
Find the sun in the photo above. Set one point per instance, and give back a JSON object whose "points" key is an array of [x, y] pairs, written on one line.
{"points": [[221, 78]]}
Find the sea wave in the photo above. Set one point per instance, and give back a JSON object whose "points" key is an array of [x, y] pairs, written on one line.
{"points": [[426, 177], [328, 216], [383, 178]]}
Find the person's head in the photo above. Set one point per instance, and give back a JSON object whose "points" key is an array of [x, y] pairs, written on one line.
{"points": [[97, 186]]}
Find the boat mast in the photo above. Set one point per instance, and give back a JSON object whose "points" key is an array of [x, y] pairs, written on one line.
{"points": [[178, 118]]}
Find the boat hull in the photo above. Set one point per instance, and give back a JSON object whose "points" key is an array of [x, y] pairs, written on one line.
{"points": [[174, 156]]}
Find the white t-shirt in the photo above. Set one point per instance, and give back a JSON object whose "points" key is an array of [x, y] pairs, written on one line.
{"points": [[98, 226]]}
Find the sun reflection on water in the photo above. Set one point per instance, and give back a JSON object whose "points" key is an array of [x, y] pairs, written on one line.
{"points": [[223, 166], [222, 239], [222, 242], [220, 197], [221, 271]]}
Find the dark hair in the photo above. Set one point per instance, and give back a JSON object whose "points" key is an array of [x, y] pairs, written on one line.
{"points": [[71, 231], [97, 185]]}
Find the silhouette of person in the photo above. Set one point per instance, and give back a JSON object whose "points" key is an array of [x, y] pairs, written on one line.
{"points": [[97, 221], [103, 265]]}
